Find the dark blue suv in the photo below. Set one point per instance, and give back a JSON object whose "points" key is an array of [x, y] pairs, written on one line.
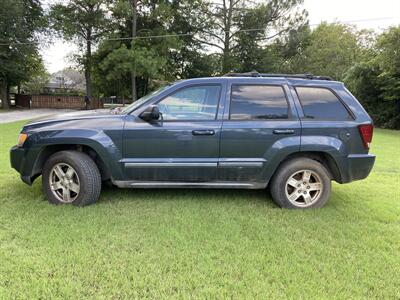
{"points": [[293, 133]]}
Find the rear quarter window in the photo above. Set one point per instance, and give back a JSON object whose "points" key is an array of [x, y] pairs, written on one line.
{"points": [[322, 104]]}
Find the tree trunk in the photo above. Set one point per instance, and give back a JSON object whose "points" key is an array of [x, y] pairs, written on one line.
{"points": [[146, 86], [5, 99], [226, 65], [134, 30], [133, 82], [88, 65]]}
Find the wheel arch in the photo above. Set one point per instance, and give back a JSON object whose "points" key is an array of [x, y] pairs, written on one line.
{"points": [[326, 159], [48, 150], [323, 158]]}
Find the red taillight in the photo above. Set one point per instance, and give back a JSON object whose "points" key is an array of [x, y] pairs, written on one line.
{"points": [[366, 132]]}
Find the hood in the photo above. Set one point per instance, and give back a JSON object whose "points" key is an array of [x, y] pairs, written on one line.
{"points": [[76, 115], [72, 116]]}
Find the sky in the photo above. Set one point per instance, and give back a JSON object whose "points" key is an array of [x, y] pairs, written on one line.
{"points": [[368, 14]]}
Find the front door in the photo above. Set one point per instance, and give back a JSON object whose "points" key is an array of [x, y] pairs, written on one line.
{"points": [[260, 125], [183, 145]]}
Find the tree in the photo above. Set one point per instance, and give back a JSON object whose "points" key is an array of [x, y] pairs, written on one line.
{"points": [[140, 58], [388, 58], [37, 81], [331, 50], [190, 59], [189, 62], [239, 26], [375, 80], [84, 21], [280, 55], [140, 61], [20, 22]]}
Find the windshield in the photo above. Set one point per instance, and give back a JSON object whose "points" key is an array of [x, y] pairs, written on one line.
{"points": [[142, 100]]}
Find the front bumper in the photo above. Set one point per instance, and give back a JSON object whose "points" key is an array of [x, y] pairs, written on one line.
{"points": [[357, 166], [17, 160], [17, 156]]}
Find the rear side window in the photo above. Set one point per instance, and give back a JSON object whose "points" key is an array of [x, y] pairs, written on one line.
{"points": [[258, 102], [321, 103]]}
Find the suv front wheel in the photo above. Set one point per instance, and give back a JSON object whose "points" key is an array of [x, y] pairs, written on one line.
{"points": [[301, 183], [71, 177]]}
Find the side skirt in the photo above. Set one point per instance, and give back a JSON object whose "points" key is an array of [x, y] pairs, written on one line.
{"points": [[207, 185]]}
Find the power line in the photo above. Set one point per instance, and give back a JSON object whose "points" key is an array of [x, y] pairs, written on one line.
{"points": [[366, 20], [192, 34]]}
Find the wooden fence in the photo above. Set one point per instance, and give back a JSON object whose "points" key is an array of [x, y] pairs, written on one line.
{"points": [[70, 102]]}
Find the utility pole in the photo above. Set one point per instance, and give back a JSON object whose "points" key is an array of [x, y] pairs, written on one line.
{"points": [[134, 31]]}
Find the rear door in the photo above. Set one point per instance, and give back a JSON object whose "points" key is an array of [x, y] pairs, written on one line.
{"points": [[260, 126]]}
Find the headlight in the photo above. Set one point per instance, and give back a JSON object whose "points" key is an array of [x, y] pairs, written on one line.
{"points": [[21, 139]]}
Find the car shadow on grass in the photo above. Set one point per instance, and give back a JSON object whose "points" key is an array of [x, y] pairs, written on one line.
{"points": [[112, 194]]}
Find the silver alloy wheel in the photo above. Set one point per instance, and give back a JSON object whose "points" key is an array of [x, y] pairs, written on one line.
{"points": [[303, 188], [64, 183]]}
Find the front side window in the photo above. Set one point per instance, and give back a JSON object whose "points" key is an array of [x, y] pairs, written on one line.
{"points": [[322, 104], [191, 103], [142, 100], [258, 102]]}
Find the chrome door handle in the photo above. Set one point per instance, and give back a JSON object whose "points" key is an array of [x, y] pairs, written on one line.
{"points": [[283, 131], [203, 132]]}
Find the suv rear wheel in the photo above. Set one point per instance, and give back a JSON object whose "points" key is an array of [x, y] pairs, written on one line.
{"points": [[301, 183], [71, 177]]}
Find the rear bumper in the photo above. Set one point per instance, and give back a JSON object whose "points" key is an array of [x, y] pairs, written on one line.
{"points": [[357, 166], [17, 160]]}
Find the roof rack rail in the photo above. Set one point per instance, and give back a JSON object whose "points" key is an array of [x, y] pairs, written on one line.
{"points": [[256, 74]]}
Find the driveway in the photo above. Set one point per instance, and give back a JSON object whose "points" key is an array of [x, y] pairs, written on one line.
{"points": [[28, 114]]}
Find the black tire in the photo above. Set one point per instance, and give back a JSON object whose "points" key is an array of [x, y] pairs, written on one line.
{"points": [[294, 167], [86, 171]]}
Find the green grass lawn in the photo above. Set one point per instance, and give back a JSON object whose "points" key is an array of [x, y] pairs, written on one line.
{"points": [[202, 243]]}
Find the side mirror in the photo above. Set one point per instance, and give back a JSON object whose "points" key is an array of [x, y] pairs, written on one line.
{"points": [[151, 113]]}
